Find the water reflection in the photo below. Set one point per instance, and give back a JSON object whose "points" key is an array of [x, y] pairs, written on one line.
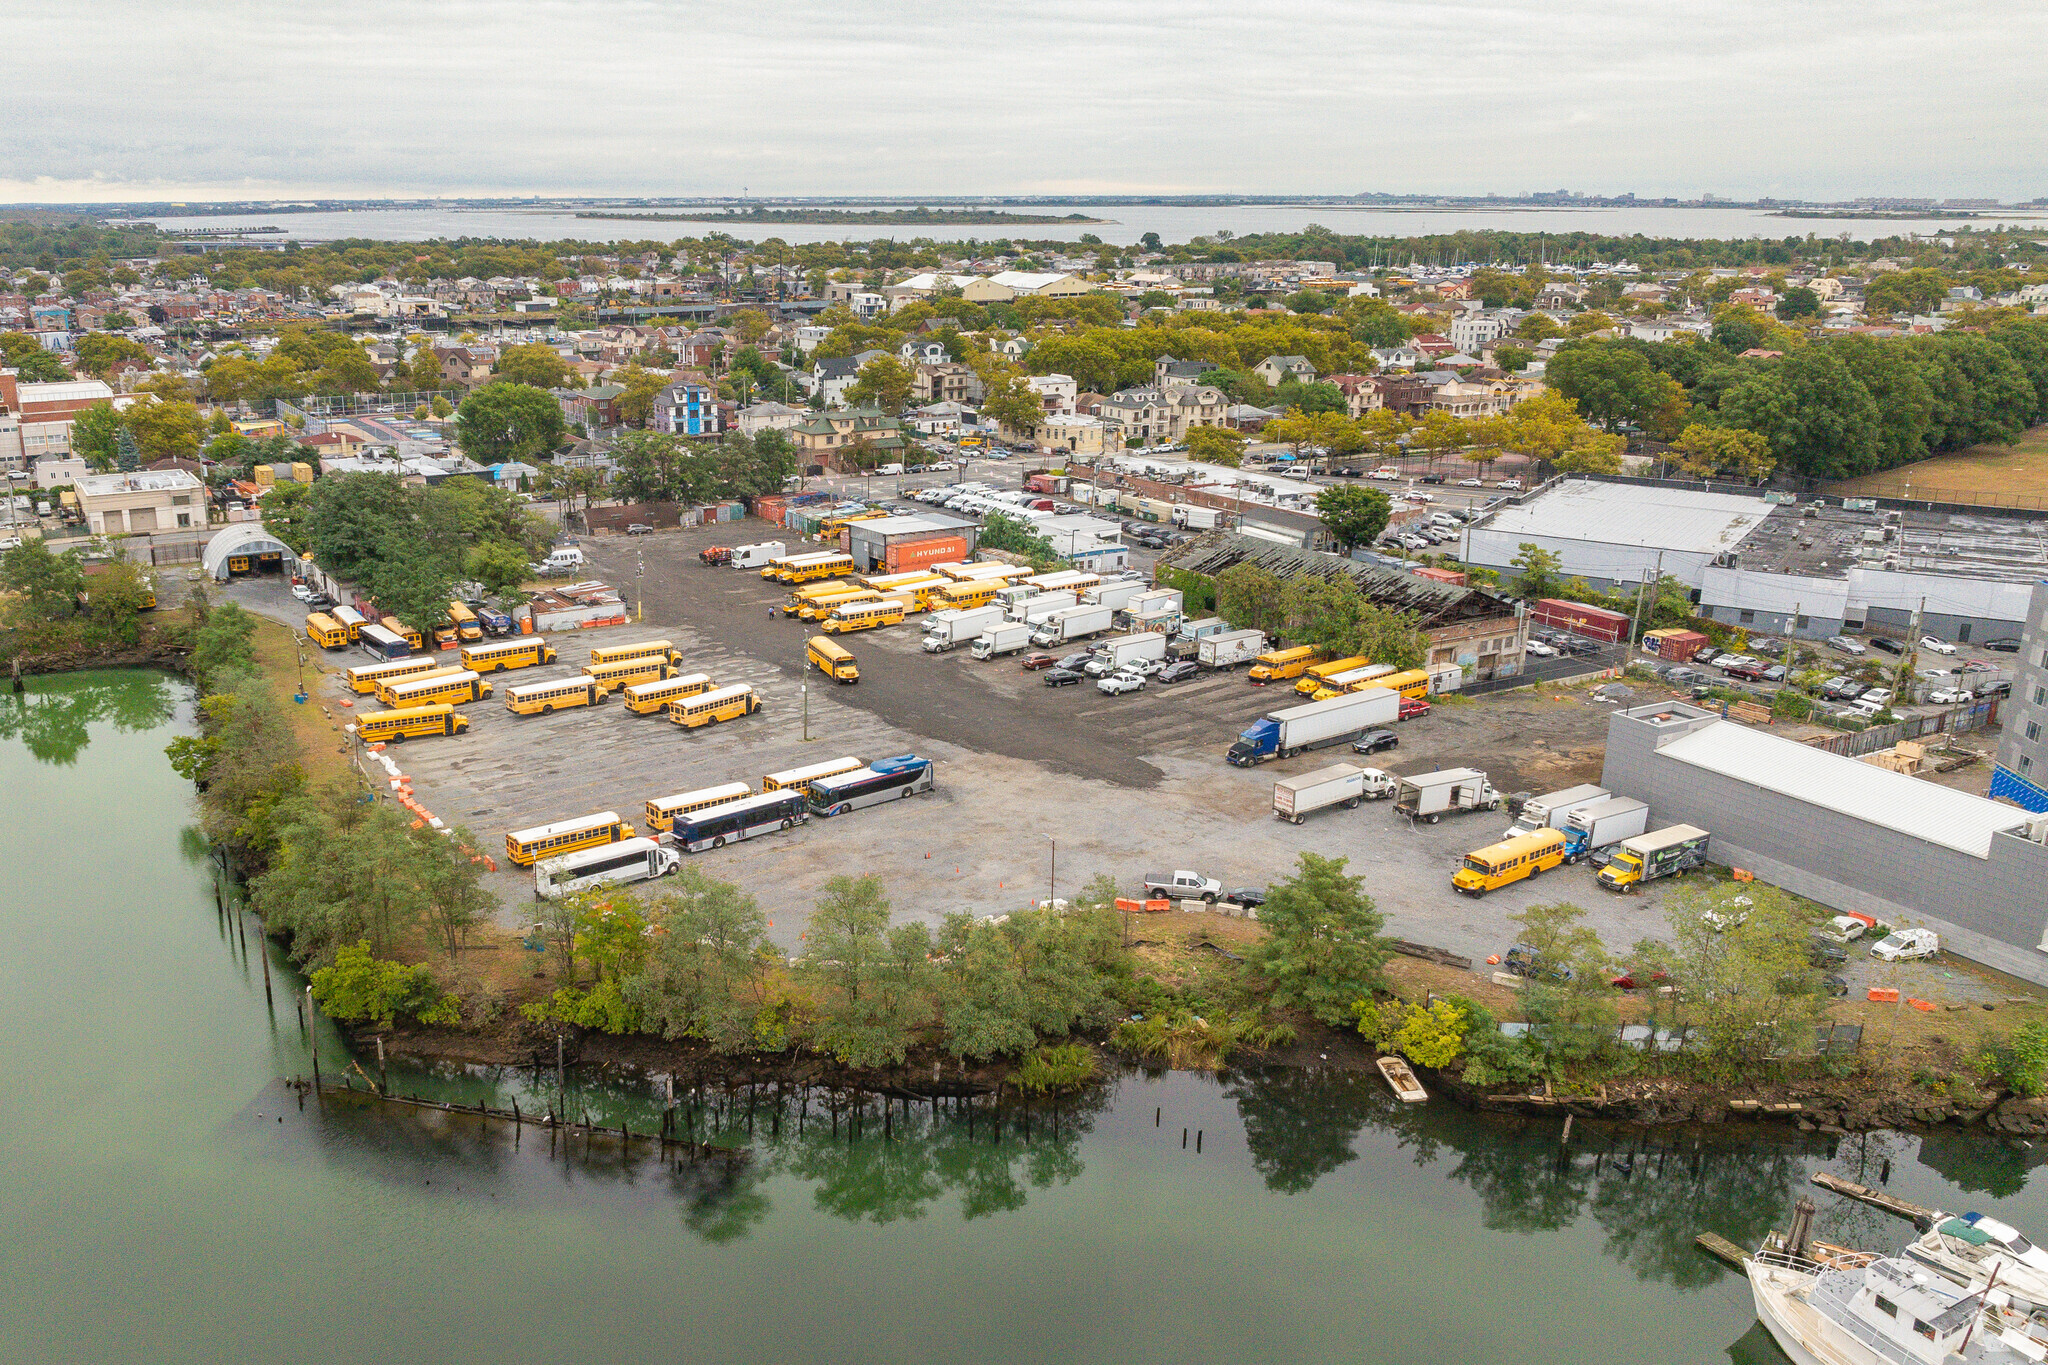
{"points": [[53, 719], [1300, 1125]]}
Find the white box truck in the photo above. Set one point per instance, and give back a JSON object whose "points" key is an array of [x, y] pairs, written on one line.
{"points": [[1114, 653], [1603, 823], [1429, 796], [1006, 638], [943, 630], [754, 556], [1335, 720], [1043, 607], [1074, 623], [1203, 626], [1151, 601], [1551, 809], [1339, 784], [1230, 648], [1113, 595], [1194, 518]]}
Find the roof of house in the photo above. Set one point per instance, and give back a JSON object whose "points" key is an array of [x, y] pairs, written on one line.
{"points": [[1907, 805], [1436, 604]]}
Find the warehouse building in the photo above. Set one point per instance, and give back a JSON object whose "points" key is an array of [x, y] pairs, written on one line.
{"points": [[1783, 568], [898, 544], [2022, 773], [1845, 833]]}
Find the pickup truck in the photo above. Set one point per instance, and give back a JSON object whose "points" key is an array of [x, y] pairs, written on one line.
{"points": [[1183, 885]]}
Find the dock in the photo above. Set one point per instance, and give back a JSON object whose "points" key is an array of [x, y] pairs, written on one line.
{"points": [[1714, 1244], [1922, 1218]]}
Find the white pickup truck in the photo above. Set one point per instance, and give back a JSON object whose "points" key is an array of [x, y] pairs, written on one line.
{"points": [[1183, 885]]}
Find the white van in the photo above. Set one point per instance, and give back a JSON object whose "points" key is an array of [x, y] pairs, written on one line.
{"points": [[563, 559], [890, 469]]}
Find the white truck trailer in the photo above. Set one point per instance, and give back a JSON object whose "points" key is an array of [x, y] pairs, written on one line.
{"points": [[1603, 823], [1430, 796], [1230, 648], [1293, 729], [1043, 607], [1340, 784], [754, 556], [1075, 623], [1119, 650], [1552, 809], [1113, 595], [944, 630], [1006, 638]]}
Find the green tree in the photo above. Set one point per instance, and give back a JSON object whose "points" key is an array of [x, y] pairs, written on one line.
{"points": [[533, 364], [849, 954], [116, 595], [224, 642], [705, 976], [504, 421], [1799, 302], [1711, 451], [1820, 421], [348, 517], [99, 352], [642, 387], [1010, 401], [26, 355], [165, 430], [1323, 950], [1355, 514], [1611, 384], [1569, 1001], [883, 382], [96, 434], [1740, 950], [50, 584], [358, 988], [424, 369], [1013, 536], [1216, 445], [1919, 290], [411, 581], [500, 566], [1540, 575], [344, 370], [1513, 359], [1252, 598]]}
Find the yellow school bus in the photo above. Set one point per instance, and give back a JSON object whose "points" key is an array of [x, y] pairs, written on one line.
{"points": [[1510, 860], [863, 616], [662, 649], [802, 778], [1277, 665], [393, 726], [809, 568], [367, 677], [404, 632], [385, 684], [651, 668], [966, 596], [709, 708], [454, 687], [1320, 674], [1357, 680], [822, 605], [528, 846], [644, 699], [662, 811], [351, 620], [524, 652], [326, 632], [1075, 581], [1413, 685], [467, 627], [983, 570], [831, 660], [543, 698], [785, 564], [891, 582], [811, 592]]}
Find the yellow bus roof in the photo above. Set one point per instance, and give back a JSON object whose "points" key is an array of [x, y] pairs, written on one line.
{"points": [[485, 651], [527, 836], [1514, 848], [534, 689], [439, 708]]}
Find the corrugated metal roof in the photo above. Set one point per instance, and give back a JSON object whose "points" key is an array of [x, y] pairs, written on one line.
{"points": [[1863, 791], [1438, 604]]}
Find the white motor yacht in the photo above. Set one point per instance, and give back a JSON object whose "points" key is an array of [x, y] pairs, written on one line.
{"points": [[1860, 1309], [1967, 1249]]}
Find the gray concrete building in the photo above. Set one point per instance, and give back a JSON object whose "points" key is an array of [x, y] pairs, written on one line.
{"points": [[2022, 774], [1847, 834]]}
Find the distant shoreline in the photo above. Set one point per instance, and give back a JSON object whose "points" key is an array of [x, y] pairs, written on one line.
{"points": [[832, 217]]}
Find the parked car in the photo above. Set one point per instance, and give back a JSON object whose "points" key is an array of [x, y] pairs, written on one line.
{"points": [[1902, 944], [1116, 684], [1847, 645], [1062, 677], [1948, 696], [1432, 478], [1774, 674], [1512, 485], [1979, 666], [1999, 687], [1413, 709], [1928, 642], [1471, 483], [1881, 695], [1372, 741], [302, 592], [1707, 654], [1250, 897], [639, 528], [1769, 648], [2005, 645], [1144, 668], [1074, 661], [1751, 671], [1539, 649], [1031, 663], [1889, 645], [1178, 670], [1385, 472]]}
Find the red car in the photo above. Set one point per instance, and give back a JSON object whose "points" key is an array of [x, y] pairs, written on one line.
{"points": [[1033, 662], [1411, 708]]}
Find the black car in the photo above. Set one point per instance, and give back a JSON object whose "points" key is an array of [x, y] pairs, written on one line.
{"points": [[1432, 478], [1821, 953], [1072, 663], [1579, 644], [2007, 645], [1887, 644], [1774, 674], [1372, 741], [1175, 672], [1062, 677], [1250, 897]]}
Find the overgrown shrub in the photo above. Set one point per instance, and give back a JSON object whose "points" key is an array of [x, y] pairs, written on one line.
{"points": [[360, 987]]}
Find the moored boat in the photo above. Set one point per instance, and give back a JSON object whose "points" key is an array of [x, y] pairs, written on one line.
{"points": [[1970, 1248], [1406, 1087], [1886, 1310]]}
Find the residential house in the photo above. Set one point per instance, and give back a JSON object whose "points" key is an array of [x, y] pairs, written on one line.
{"points": [[1760, 299], [687, 408], [1462, 399], [947, 383], [1007, 285], [1275, 368], [1168, 372], [1361, 395], [824, 436], [940, 418], [1454, 289], [831, 378], [923, 351], [768, 416], [1163, 416], [596, 408], [1474, 332], [1396, 357], [1055, 392], [1433, 346], [463, 366]]}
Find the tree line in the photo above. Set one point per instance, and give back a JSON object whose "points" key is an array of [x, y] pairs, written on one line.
{"points": [[1332, 613]]}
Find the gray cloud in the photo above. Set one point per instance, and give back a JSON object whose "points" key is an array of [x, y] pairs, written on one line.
{"points": [[140, 99]]}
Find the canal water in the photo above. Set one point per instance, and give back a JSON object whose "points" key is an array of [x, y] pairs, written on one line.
{"points": [[166, 1199]]}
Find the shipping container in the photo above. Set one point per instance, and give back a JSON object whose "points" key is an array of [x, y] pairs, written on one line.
{"points": [[1595, 622], [916, 554], [1451, 576], [1673, 645]]}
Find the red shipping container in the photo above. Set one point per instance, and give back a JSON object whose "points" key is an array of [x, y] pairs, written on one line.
{"points": [[1451, 576], [1677, 646], [1597, 622], [903, 556]]}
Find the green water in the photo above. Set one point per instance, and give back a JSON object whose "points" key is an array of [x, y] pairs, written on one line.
{"points": [[155, 1207]]}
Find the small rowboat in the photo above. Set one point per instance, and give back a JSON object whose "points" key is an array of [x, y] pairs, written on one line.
{"points": [[1406, 1087]]}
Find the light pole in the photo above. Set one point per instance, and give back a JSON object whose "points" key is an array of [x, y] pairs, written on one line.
{"points": [[804, 665], [1052, 876], [639, 585]]}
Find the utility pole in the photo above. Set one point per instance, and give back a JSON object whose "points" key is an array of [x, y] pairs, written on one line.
{"points": [[1638, 624], [804, 663], [639, 585], [1052, 876]]}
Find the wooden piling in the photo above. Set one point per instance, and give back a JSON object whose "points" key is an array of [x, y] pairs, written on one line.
{"points": [[263, 951], [1922, 1218], [383, 1075]]}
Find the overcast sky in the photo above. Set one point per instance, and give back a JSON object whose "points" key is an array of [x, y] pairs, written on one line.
{"points": [[143, 99]]}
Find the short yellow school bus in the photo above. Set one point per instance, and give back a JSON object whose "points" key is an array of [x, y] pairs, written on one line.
{"points": [[709, 708], [393, 726], [802, 778], [326, 632], [528, 846], [496, 658], [662, 649], [454, 687], [1508, 861], [863, 616], [368, 677], [1318, 675], [543, 698], [351, 620], [651, 668], [831, 660], [1277, 665], [662, 811], [467, 627], [645, 699], [821, 606], [404, 632]]}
